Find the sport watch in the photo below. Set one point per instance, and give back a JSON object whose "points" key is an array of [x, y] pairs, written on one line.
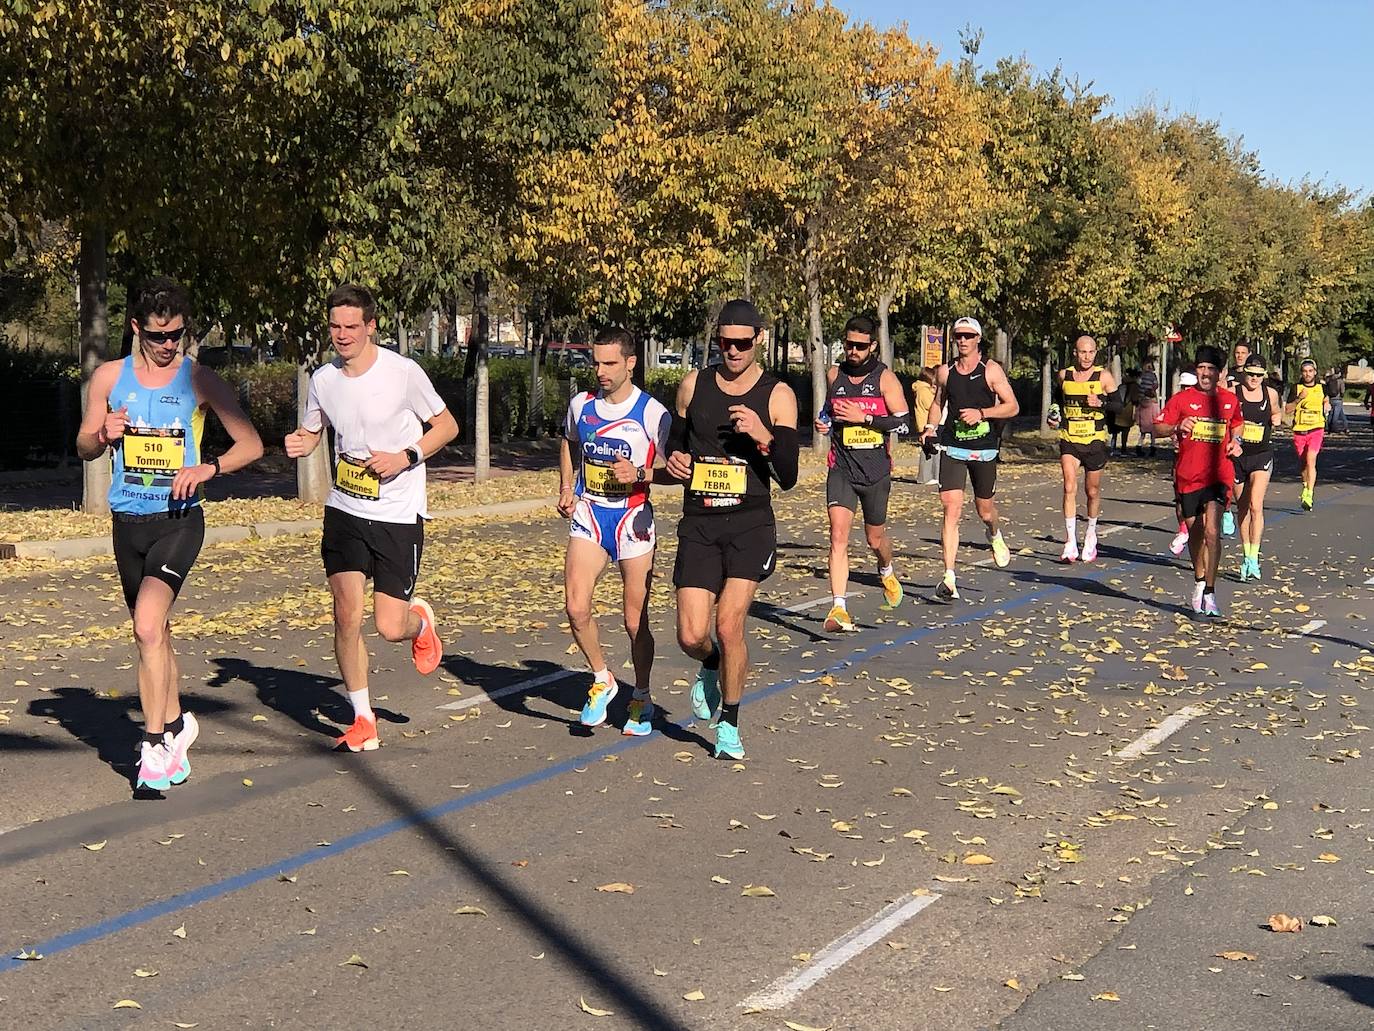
{"points": [[413, 455], [640, 474]]}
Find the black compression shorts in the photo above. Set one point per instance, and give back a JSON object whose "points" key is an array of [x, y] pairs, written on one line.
{"points": [[387, 553], [731, 545], [1243, 466], [955, 472], [1092, 456], [163, 547], [873, 497], [1191, 505]]}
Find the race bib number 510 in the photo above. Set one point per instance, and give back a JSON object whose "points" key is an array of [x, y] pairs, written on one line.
{"points": [[153, 450]]}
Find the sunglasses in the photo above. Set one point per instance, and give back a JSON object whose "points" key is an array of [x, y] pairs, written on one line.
{"points": [[857, 345], [736, 343], [166, 336], [965, 336]]}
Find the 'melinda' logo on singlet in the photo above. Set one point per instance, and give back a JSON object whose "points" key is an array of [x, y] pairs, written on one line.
{"points": [[606, 449]]}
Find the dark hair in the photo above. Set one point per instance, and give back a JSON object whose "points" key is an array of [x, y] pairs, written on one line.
{"points": [[927, 375], [861, 324], [1209, 355], [617, 335], [351, 295], [163, 297]]}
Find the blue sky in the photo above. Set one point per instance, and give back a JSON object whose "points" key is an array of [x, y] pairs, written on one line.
{"points": [[1295, 80]]}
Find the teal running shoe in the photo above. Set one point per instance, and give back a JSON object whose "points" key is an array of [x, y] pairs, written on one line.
{"points": [[178, 747], [639, 721], [1255, 569], [706, 693], [600, 696], [1228, 524], [727, 742], [152, 768]]}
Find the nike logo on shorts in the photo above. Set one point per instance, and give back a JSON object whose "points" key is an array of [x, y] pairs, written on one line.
{"points": [[172, 572], [768, 562]]}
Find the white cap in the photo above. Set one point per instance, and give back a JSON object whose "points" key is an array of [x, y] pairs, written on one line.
{"points": [[1187, 379], [968, 323]]}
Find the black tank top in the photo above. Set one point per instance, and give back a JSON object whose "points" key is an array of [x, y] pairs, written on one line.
{"points": [[728, 473], [1254, 435], [860, 452], [968, 391]]}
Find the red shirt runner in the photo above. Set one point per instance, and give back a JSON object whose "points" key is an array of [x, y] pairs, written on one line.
{"points": [[1202, 459]]}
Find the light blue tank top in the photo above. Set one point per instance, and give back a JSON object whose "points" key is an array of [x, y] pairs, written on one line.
{"points": [[164, 433]]}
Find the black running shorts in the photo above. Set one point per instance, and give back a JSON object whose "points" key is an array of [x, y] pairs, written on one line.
{"points": [[387, 553], [1192, 503], [1244, 465], [873, 497], [1092, 456], [727, 546], [954, 473], [163, 547]]}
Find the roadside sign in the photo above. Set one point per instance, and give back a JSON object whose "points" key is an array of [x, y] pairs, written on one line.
{"points": [[933, 353]]}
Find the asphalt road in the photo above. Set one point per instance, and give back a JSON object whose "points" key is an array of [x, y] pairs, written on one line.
{"points": [[947, 820]]}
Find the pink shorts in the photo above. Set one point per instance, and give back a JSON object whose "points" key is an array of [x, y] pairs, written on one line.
{"points": [[1309, 441]]}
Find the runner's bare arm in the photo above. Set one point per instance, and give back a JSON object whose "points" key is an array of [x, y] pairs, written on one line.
{"points": [[817, 424], [218, 396], [99, 425], [567, 478], [1275, 409], [1007, 407]]}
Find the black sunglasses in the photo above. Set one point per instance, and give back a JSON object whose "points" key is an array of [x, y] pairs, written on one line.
{"points": [[738, 343], [857, 345], [965, 336], [166, 336]]}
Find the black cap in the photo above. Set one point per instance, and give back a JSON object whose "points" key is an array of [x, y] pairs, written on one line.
{"points": [[739, 312], [1255, 364], [1209, 355]]}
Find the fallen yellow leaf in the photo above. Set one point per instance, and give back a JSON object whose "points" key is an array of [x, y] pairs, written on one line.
{"points": [[1106, 997], [582, 1005], [1284, 923], [805, 1027], [978, 859], [695, 995], [94, 846], [1322, 921], [126, 1004], [619, 887], [1236, 955], [354, 961], [758, 891], [469, 911]]}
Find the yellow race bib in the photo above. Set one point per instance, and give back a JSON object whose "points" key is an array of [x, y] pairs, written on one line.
{"points": [[154, 450], [718, 477], [1252, 433], [860, 438], [1210, 431], [356, 480], [600, 479], [1305, 419]]}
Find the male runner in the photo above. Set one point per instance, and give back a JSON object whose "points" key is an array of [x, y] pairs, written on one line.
{"points": [[1087, 393], [1208, 421], [977, 394], [149, 410], [1185, 379], [735, 427], [1240, 354], [1308, 410], [865, 403], [1259, 405], [377, 402], [618, 431]]}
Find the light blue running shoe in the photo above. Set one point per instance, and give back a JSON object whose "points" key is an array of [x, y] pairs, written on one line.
{"points": [[1228, 524], [599, 697], [706, 693], [727, 742], [639, 720]]}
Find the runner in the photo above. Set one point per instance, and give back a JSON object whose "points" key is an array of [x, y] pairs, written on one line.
{"points": [[1180, 541], [1208, 421], [377, 402], [735, 427], [1240, 354], [1259, 405], [978, 395], [865, 403], [1308, 410], [1087, 395], [618, 431], [149, 410]]}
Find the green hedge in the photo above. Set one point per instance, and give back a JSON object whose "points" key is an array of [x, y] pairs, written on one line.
{"points": [[40, 396]]}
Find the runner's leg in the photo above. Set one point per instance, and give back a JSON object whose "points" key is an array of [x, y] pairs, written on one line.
{"points": [[841, 522], [987, 511], [637, 575], [880, 543], [394, 618], [731, 609], [156, 667], [350, 597], [694, 622], [582, 567], [953, 503], [1069, 465]]}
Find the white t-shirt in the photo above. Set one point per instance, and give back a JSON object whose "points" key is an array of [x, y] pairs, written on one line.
{"points": [[381, 410], [601, 432]]}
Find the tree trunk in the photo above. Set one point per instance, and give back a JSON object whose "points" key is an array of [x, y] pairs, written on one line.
{"points": [[534, 420], [402, 335], [477, 354], [313, 480], [819, 359], [885, 354], [1001, 349], [1046, 393], [94, 320], [434, 332]]}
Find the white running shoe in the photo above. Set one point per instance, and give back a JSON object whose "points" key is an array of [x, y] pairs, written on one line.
{"points": [[1070, 552], [1090, 548], [177, 746], [152, 768], [1199, 589], [1179, 542]]}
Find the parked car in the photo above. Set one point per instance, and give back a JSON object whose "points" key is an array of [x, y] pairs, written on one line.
{"points": [[667, 359]]}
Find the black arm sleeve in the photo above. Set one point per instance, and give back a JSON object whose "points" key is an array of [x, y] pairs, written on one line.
{"points": [[1114, 402], [784, 455], [891, 423], [677, 434]]}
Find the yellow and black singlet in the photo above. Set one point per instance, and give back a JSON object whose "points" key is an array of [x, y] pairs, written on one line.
{"points": [[1080, 423]]}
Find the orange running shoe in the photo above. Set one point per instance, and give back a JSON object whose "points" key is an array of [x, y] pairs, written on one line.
{"points": [[361, 737], [426, 649]]}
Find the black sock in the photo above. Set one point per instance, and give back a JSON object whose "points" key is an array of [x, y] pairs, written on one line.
{"points": [[729, 713], [712, 661], [176, 726], [152, 739]]}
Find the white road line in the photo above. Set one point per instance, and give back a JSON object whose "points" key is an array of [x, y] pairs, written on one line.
{"points": [[1150, 738], [839, 952], [1310, 626], [824, 599], [524, 685]]}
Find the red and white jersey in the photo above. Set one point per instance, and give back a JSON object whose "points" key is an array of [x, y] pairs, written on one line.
{"points": [[602, 433]]}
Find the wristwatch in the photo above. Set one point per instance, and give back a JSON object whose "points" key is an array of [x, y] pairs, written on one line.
{"points": [[640, 474], [413, 455]]}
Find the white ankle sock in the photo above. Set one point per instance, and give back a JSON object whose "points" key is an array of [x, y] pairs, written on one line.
{"points": [[362, 704], [839, 602], [1071, 529], [885, 570]]}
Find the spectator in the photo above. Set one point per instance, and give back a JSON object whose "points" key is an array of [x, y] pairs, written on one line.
{"points": [[1124, 417], [1335, 390], [924, 391], [1147, 406]]}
